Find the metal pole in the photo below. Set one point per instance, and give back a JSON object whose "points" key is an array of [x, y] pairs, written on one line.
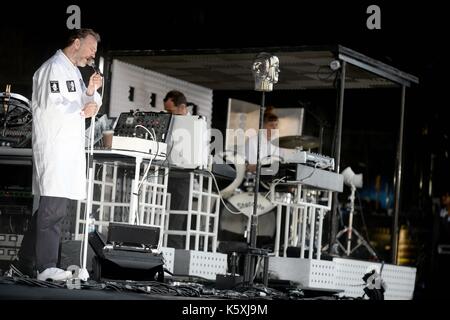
{"points": [[337, 156], [321, 138], [350, 220], [83, 273], [398, 180], [254, 218], [258, 173]]}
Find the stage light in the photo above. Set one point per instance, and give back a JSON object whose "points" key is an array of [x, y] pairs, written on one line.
{"points": [[352, 179], [335, 65]]}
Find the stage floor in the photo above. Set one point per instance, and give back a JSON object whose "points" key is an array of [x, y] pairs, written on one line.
{"points": [[31, 289]]}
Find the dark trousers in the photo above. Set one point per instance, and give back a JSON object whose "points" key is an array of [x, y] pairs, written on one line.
{"points": [[178, 187], [40, 243]]}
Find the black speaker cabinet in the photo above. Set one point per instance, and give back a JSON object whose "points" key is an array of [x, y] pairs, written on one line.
{"points": [[124, 263], [133, 235]]}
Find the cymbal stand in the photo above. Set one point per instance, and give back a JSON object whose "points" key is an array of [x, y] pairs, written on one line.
{"points": [[6, 107]]}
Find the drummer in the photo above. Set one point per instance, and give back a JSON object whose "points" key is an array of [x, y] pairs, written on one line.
{"points": [[267, 150]]}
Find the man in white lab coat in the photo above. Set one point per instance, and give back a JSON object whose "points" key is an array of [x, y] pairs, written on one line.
{"points": [[60, 103]]}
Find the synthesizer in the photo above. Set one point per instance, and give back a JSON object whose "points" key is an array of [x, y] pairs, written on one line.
{"points": [[309, 158], [144, 132]]}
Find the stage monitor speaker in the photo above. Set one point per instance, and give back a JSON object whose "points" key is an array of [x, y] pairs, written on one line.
{"points": [[119, 262], [121, 234]]}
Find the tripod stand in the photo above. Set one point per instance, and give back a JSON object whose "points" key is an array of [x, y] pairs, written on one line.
{"points": [[349, 230]]}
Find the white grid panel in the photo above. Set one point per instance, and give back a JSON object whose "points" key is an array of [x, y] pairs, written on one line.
{"points": [[309, 273], [202, 264], [152, 202], [107, 207], [203, 208], [169, 258], [400, 280], [208, 264], [321, 274], [304, 216], [146, 82]]}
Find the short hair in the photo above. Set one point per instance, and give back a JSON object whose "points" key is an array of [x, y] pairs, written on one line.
{"points": [[269, 116], [81, 34], [177, 97]]}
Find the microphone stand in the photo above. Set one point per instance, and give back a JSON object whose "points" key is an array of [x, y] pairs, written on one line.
{"points": [[250, 261], [265, 70], [83, 273]]}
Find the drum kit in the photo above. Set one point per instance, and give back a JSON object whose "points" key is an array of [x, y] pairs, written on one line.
{"points": [[242, 200], [297, 142], [15, 119]]}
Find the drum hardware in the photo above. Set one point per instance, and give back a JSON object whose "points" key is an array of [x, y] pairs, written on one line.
{"points": [[6, 98], [320, 120], [15, 119], [294, 142], [249, 182]]}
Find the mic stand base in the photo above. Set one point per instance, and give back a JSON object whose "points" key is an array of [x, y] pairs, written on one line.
{"points": [[250, 256]]}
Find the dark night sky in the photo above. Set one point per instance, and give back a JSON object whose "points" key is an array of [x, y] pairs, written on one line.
{"points": [[411, 39]]}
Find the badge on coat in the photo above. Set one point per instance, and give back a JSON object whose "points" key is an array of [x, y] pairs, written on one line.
{"points": [[54, 86], [71, 86]]}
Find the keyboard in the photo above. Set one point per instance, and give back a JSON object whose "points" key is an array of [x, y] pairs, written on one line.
{"points": [[309, 158]]}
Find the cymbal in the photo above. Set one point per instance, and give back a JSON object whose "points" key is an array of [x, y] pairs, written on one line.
{"points": [[292, 142]]}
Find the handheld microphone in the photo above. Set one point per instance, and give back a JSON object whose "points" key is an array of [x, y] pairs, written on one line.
{"points": [[94, 66]]}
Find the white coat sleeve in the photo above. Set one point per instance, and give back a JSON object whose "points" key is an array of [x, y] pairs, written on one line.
{"points": [[94, 98], [47, 96]]}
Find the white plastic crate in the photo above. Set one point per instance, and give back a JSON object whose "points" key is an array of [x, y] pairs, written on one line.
{"points": [[400, 280], [308, 273], [169, 258], [198, 263]]}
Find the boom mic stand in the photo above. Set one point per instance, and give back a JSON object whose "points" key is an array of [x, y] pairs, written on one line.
{"points": [[83, 274], [265, 70]]}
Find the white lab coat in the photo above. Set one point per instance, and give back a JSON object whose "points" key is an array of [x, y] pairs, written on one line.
{"points": [[59, 160]]}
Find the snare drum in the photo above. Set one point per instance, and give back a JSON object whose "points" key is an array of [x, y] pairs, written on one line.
{"points": [[239, 223]]}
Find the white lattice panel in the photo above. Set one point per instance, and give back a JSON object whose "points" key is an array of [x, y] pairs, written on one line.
{"points": [[199, 263], [309, 273], [111, 198], [203, 208], [169, 258], [400, 280], [145, 82]]}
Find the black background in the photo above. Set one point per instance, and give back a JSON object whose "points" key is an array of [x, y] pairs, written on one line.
{"points": [[412, 38]]}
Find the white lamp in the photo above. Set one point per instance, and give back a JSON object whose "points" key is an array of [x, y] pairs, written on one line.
{"points": [[353, 181], [350, 178]]}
